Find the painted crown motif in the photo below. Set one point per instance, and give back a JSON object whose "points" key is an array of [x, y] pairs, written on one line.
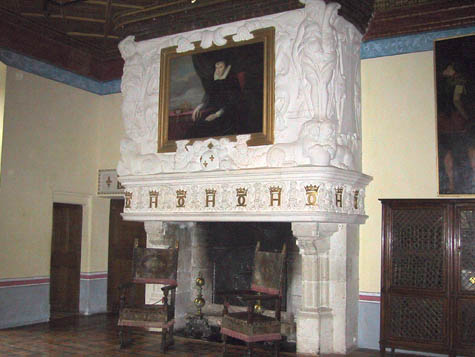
{"points": [[241, 191], [181, 193], [309, 188]]}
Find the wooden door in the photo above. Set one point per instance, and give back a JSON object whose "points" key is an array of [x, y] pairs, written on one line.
{"points": [[121, 243], [65, 258]]}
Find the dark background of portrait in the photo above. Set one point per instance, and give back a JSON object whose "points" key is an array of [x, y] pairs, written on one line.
{"points": [[460, 52], [249, 61]]}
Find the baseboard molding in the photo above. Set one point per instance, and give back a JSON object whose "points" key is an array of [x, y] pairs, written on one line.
{"points": [[6, 325], [24, 301], [368, 320], [93, 293]]}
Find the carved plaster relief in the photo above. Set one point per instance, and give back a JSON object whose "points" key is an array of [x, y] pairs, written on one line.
{"points": [[316, 97], [309, 193]]}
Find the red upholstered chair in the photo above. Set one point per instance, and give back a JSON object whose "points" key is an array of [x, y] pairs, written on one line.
{"points": [[150, 266], [251, 326]]}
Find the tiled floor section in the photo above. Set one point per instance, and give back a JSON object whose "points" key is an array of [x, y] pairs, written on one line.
{"points": [[97, 336]]}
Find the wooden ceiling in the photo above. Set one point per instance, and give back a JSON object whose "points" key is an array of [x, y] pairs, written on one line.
{"points": [[82, 35], [405, 17]]}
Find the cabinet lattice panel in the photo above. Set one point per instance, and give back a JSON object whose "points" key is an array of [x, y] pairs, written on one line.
{"points": [[467, 255], [417, 249], [467, 323], [417, 318]]}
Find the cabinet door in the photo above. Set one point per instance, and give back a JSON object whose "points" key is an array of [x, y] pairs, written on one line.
{"points": [[465, 276], [416, 281]]}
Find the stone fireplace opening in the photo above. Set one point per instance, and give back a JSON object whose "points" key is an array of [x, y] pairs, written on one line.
{"points": [[222, 253], [231, 248], [322, 275]]}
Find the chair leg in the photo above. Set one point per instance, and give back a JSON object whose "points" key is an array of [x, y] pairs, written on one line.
{"points": [[163, 346], [171, 340], [224, 344], [250, 348], [124, 337], [121, 338], [276, 348]]}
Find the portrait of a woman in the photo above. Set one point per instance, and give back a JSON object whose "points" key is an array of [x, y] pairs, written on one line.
{"points": [[217, 93]]}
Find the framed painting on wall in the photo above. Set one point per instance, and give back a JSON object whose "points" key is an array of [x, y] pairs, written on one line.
{"points": [[218, 92], [455, 95]]}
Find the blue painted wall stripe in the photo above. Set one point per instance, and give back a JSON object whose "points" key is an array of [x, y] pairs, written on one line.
{"points": [[408, 44], [45, 70], [371, 49]]}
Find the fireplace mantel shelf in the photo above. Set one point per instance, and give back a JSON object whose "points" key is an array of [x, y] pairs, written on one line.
{"points": [[274, 216], [250, 175], [290, 194]]}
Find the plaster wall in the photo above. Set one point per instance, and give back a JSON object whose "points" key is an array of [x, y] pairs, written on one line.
{"points": [[111, 131], [3, 78], [399, 143], [55, 139]]}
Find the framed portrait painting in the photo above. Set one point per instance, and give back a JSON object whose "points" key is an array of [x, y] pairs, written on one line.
{"points": [[455, 95], [218, 92]]}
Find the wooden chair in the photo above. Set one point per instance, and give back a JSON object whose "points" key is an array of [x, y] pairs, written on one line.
{"points": [[252, 326], [150, 266]]}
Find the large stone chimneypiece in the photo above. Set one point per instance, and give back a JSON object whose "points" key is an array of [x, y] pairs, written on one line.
{"points": [[310, 176]]}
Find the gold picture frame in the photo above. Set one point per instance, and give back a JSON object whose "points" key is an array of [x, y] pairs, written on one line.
{"points": [[221, 91]]}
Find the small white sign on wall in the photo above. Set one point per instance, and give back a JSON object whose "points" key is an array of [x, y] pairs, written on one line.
{"points": [[108, 184]]}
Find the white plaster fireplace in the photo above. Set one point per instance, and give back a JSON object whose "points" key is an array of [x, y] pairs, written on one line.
{"points": [[311, 175]]}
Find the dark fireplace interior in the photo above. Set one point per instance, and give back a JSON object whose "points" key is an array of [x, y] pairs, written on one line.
{"points": [[231, 248]]}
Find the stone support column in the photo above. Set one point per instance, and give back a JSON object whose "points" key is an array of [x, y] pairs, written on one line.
{"points": [[156, 235], [315, 318], [327, 321], [344, 287]]}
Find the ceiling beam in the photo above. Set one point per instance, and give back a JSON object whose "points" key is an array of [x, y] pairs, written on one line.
{"points": [[95, 35], [66, 17], [107, 25], [164, 13], [104, 3]]}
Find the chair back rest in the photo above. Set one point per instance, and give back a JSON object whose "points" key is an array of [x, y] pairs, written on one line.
{"points": [[268, 272], [155, 266]]}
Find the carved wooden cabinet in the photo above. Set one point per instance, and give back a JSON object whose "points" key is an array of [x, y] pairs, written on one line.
{"points": [[428, 276]]}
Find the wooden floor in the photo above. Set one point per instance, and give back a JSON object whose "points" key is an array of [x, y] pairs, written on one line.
{"points": [[96, 335]]}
